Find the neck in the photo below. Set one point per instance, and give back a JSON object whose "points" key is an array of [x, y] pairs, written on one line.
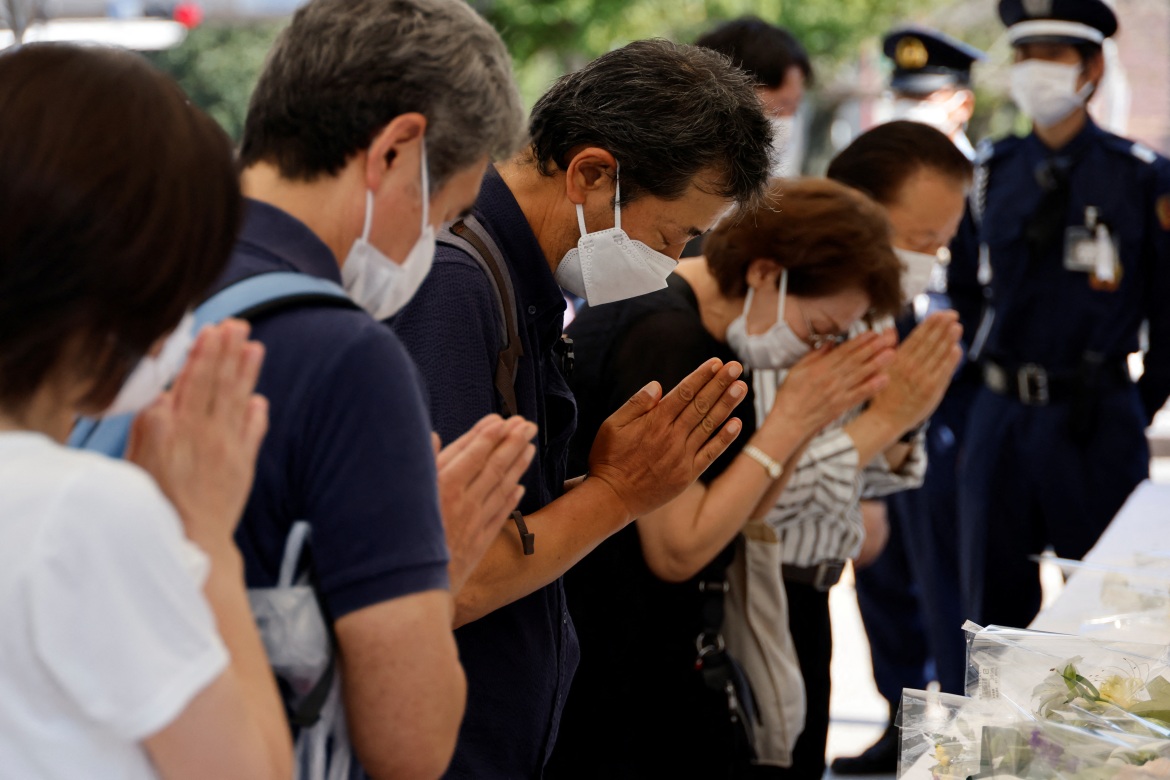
{"points": [[542, 199], [716, 309], [1058, 136], [44, 414], [324, 205]]}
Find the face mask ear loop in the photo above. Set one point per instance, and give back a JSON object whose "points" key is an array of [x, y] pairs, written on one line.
{"points": [[426, 186], [617, 198], [369, 216], [783, 296], [1086, 92], [747, 301], [581, 220]]}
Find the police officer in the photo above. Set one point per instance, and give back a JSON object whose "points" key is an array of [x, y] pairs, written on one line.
{"points": [[909, 596], [1063, 256], [931, 82]]}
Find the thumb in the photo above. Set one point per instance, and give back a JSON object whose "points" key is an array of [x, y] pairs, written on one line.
{"points": [[643, 401]]}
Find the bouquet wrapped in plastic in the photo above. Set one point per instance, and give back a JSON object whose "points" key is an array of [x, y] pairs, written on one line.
{"points": [[1044, 705], [948, 737], [1080, 681]]}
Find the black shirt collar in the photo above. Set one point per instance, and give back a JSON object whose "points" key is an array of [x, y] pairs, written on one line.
{"points": [[536, 287]]}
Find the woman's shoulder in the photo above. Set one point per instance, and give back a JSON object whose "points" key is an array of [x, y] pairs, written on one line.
{"points": [[84, 490]]}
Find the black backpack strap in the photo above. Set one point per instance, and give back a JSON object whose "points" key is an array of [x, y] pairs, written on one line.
{"points": [[470, 236], [308, 709]]}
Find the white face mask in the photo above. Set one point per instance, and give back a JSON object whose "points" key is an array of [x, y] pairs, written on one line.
{"points": [[916, 275], [608, 265], [777, 347], [1047, 91], [375, 282], [783, 146], [154, 373], [928, 112]]}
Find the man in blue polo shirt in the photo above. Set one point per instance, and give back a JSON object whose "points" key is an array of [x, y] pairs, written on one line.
{"points": [[354, 97], [631, 157]]}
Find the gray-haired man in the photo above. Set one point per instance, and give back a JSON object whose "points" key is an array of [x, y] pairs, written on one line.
{"points": [[372, 124]]}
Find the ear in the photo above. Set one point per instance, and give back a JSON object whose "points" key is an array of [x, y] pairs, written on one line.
{"points": [[1095, 69], [403, 132], [966, 109], [763, 273], [591, 170]]}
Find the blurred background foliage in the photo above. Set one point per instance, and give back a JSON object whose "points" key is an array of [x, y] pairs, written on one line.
{"points": [[219, 62]]}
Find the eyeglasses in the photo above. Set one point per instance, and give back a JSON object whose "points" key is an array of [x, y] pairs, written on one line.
{"points": [[818, 340]]}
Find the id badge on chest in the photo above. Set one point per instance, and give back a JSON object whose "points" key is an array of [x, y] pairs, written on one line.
{"points": [[1091, 249]]}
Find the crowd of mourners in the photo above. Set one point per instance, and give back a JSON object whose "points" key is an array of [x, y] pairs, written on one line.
{"points": [[398, 442]]}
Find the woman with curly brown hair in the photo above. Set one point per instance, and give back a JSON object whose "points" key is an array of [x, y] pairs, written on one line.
{"points": [[778, 284]]}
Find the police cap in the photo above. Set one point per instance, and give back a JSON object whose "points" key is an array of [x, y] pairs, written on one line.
{"points": [[1057, 21], [927, 60]]}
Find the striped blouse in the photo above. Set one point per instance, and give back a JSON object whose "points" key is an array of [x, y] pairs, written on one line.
{"points": [[818, 516]]}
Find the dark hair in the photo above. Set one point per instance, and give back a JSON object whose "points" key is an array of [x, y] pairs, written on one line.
{"points": [[1088, 51], [881, 160], [765, 51], [830, 238], [345, 68], [119, 205], [667, 112]]}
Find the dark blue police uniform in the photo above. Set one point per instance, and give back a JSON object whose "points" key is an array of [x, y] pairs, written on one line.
{"points": [[348, 442], [909, 596], [519, 659], [1065, 254]]}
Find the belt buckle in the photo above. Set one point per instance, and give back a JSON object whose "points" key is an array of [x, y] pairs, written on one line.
{"points": [[828, 575], [1032, 384]]}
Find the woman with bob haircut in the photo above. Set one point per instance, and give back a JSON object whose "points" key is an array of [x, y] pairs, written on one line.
{"points": [[128, 648], [779, 282]]}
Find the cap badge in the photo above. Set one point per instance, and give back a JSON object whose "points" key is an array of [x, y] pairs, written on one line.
{"points": [[911, 54]]}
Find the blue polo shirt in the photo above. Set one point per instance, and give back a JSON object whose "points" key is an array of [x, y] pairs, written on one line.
{"points": [[348, 446], [520, 659]]}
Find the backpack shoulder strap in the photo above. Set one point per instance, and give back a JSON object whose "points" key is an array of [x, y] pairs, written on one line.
{"points": [[259, 296], [470, 236], [251, 299]]}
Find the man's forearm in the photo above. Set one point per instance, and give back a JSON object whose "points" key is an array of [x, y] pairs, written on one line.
{"points": [[565, 531]]}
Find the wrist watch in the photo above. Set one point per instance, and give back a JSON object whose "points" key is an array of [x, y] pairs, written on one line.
{"points": [[770, 464]]}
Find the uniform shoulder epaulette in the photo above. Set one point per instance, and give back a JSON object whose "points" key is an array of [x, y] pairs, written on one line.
{"points": [[1143, 153], [1135, 149]]}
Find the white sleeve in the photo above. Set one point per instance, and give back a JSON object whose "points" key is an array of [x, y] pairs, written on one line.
{"points": [[119, 617], [880, 480]]}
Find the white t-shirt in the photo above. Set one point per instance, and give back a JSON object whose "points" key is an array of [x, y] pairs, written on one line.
{"points": [[105, 636]]}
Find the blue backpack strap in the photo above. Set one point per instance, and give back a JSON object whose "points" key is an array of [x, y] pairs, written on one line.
{"points": [[252, 298], [248, 299]]}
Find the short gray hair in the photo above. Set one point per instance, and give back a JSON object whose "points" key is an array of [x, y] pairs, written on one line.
{"points": [[345, 68]]}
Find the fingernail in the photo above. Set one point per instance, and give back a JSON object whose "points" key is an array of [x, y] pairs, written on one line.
{"points": [[734, 427], [736, 390], [735, 370]]}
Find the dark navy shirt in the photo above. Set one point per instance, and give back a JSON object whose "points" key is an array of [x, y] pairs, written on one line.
{"points": [[348, 446], [1044, 312], [519, 659]]}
